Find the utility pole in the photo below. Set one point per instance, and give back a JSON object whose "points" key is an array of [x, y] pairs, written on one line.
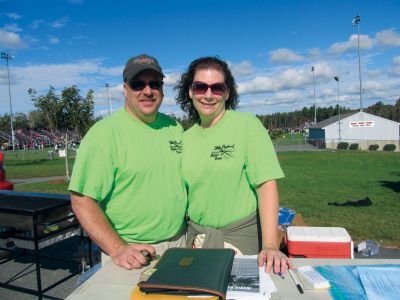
{"points": [[340, 131], [315, 107], [356, 21], [7, 58], [109, 99]]}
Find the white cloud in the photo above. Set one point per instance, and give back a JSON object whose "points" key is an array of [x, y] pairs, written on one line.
{"points": [[284, 55], [396, 60], [59, 23], [86, 75], [275, 99], [112, 71], [395, 71], [388, 38], [76, 2], [370, 85], [12, 27], [14, 16], [365, 43], [11, 40], [172, 78], [287, 79], [376, 73], [245, 68], [314, 52], [169, 101], [259, 84], [80, 37], [385, 38], [116, 95], [54, 40], [36, 23]]}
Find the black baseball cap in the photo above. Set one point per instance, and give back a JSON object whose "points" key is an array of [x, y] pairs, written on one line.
{"points": [[139, 63]]}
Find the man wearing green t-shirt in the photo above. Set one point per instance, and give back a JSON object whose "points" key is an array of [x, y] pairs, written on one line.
{"points": [[126, 188]]}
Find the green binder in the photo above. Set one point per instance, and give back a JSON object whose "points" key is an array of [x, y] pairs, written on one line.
{"points": [[191, 272]]}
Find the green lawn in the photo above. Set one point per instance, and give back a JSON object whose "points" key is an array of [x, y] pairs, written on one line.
{"points": [[44, 187], [312, 180], [288, 139], [28, 164], [315, 178]]}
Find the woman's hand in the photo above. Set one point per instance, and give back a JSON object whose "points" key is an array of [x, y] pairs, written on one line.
{"points": [[273, 258]]}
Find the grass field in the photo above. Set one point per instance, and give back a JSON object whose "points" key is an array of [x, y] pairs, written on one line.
{"points": [[288, 139], [315, 178], [312, 180], [28, 164]]}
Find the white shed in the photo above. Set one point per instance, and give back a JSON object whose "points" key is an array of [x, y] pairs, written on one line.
{"points": [[360, 127]]}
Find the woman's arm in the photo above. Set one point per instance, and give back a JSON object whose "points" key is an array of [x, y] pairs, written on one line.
{"points": [[268, 206]]}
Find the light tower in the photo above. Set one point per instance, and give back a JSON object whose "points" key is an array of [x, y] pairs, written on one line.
{"points": [[340, 131], [7, 58], [315, 107], [356, 22], [109, 99]]}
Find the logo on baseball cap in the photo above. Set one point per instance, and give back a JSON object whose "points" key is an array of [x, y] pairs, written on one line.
{"points": [[139, 63]]}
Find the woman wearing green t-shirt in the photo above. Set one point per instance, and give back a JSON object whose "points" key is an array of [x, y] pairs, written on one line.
{"points": [[229, 168]]}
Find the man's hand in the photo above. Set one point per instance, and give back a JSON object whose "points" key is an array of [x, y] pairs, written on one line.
{"points": [[273, 258], [131, 256]]}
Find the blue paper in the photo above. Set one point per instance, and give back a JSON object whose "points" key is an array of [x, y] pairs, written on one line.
{"points": [[346, 282], [380, 283]]}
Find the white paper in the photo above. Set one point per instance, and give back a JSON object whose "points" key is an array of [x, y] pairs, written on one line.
{"points": [[249, 281], [380, 282]]}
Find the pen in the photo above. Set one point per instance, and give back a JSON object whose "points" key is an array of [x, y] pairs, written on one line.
{"points": [[147, 255], [281, 275], [296, 281]]}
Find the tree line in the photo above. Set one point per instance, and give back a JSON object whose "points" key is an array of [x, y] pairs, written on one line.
{"points": [[300, 118], [54, 112], [71, 111]]}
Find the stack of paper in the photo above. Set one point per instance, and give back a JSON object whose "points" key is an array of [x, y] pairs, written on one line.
{"points": [[249, 281]]}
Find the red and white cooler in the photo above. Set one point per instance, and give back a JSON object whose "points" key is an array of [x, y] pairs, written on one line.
{"points": [[319, 242]]}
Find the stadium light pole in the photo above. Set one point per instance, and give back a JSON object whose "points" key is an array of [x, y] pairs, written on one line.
{"points": [[315, 107], [340, 133], [7, 58], [109, 100], [356, 22]]}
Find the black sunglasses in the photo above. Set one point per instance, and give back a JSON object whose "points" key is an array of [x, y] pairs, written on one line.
{"points": [[139, 85], [200, 88]]}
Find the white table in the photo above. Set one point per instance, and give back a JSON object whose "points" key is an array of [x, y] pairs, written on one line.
{"points": [[112, 282]]}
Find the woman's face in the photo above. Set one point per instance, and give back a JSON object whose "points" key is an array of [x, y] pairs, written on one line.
{"points": [[209, 93]]}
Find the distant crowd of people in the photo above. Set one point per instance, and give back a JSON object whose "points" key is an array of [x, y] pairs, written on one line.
{"points": [[29, 139]]}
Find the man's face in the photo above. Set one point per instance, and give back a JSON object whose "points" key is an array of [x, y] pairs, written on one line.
{"points": [[143, 96]]}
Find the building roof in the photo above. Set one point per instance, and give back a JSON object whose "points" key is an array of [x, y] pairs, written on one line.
{"points": [[332, 120]]}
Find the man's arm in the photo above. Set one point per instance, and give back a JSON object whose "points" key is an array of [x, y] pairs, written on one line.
{"points": [[268, 205], [96, 225]]}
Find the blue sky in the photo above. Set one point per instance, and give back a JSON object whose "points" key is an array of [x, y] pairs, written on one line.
{"points": [[270, 46]]}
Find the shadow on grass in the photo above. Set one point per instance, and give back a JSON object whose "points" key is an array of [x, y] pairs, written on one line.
{"points": [[393, 185]]}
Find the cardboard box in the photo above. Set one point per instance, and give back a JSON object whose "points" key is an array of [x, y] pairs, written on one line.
{"points": [[319, 242]]}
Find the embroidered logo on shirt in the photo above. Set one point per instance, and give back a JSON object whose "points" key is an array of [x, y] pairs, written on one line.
{"points": [[176, 146], [222, 152]]}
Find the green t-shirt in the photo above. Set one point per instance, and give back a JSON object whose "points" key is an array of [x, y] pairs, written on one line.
{"points": [[133, 170], [222, 166]]}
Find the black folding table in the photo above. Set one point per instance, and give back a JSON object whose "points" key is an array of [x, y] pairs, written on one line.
{"points": [[34, 221]]}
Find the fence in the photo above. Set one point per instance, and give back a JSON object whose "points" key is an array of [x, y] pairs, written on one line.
{"points": [[320, 144]]}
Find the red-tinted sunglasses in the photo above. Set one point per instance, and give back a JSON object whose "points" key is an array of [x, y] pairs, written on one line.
{"points": [[218, 88]]}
